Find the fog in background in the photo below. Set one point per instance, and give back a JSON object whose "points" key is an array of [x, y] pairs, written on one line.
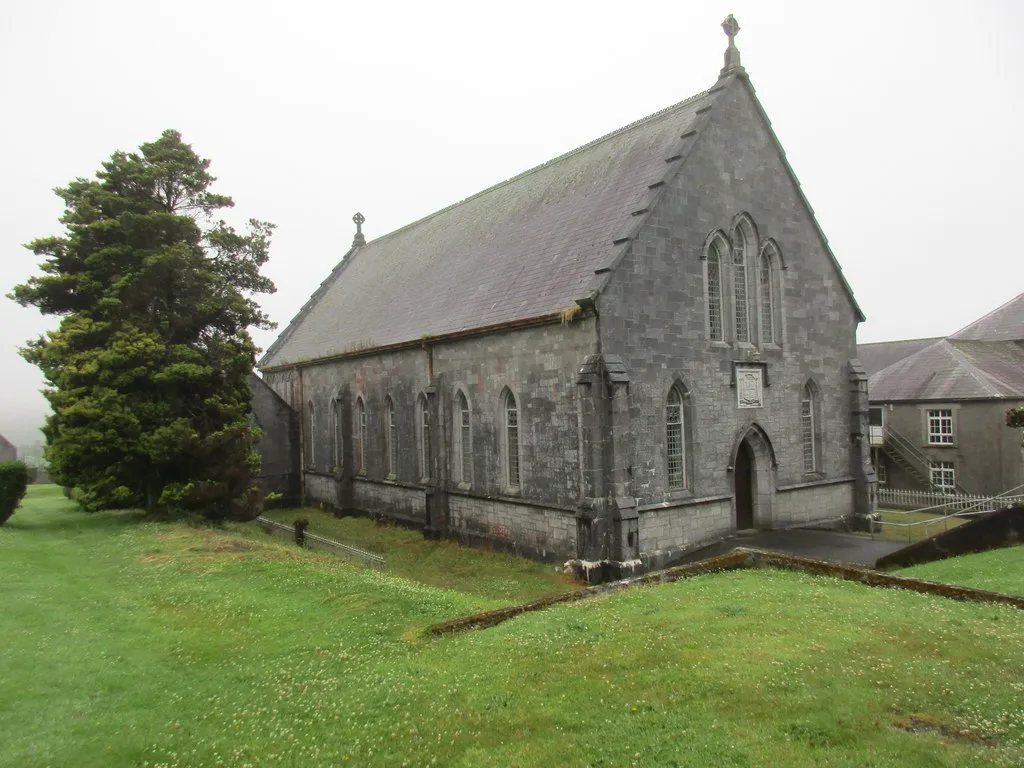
{"points": [[899, 118]]}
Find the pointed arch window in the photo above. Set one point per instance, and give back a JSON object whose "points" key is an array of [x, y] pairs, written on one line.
{"points": [[463, 439], [336, 452], [809, 428], [714, 293], [512, 476], [391, 436], [310, 434], [423, 412], [675, 446], [739, 285], [360, 436], [766, 285]]}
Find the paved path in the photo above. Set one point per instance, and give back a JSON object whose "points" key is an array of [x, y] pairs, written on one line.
{"points": [[822, 545]]}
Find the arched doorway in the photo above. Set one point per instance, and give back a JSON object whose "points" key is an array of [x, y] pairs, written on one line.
{"points": [[743, 479], [753, 475]]}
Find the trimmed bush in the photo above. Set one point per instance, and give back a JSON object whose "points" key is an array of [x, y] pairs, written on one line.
{"points": [[13, 484]]}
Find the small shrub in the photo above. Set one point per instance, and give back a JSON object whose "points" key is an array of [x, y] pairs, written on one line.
{"points": [[13, 484]]}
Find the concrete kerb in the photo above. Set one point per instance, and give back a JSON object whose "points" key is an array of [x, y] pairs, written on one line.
{"points": [[741, 557]]}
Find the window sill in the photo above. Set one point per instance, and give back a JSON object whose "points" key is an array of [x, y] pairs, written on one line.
{"points": [[391, 477], [939, 445], [677, 494], [513, 491], [465, 486]]}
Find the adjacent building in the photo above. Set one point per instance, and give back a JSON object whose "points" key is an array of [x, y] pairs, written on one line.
{"points": [[618, 355], [7, 450], [938, 407]]}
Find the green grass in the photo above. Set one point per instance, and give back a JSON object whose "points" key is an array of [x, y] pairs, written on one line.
{"points": [[129, 643], [914, 532], [496, 579], [999, 570]]}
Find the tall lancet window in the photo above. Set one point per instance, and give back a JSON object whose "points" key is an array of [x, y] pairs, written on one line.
{"points": [[391, 436], [360, 436], [714, 297], [463, 436], [739, 284], [809, 428], [511, 441], [674, 445], [767, 289], [426, 462]]}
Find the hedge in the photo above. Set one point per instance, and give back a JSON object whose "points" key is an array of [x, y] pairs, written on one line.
{"points": [[13, 484]]}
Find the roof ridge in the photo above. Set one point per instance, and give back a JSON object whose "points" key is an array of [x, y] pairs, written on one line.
{"points": [[594, 142], [987, 315], [908, 358], [900, 341], [984, 379]]}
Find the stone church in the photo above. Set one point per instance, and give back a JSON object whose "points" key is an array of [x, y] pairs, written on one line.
{"points": [[628, 351]]}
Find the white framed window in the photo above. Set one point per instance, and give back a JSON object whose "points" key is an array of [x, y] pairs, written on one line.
{"points": [[943, 476], [767, 291], [360, 436], [336, 450], [391, 436], [881, 469], [464, 438], [714, 293], [808, 428], [310, 434], [424, 424], [739, 285], [512, 476], [940, 427], [675, 446]]}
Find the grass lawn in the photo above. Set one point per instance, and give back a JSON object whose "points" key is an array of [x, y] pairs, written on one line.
{"points": [[127, 643], [999, 570], [494, 578], [912, 533]]}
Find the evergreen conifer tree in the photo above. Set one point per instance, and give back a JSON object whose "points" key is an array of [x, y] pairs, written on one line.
{"points": [[148, 371]]}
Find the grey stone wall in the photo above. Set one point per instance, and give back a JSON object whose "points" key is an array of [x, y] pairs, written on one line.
{"points": [[403, 502], [653, 315], [795, 506], [547, 534], [538, 365], [684, 525], [278, 448]]}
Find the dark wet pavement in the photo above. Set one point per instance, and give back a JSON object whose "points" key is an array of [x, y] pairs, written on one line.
{"points": [[819, 544]]}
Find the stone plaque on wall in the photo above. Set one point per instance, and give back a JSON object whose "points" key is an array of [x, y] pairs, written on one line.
{"points": [[749, 387]]}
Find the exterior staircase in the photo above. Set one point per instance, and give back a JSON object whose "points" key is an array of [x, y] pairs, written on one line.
{"points": [[906, 455]]}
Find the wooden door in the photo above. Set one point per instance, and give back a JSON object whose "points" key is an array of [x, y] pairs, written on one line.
{"points": [[744, 479]]}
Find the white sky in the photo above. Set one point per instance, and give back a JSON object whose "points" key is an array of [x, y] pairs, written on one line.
{"points": [[900, 119]]}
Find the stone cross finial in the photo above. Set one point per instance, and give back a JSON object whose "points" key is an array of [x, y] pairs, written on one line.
{"points": [[732, 53], [359, 239]]}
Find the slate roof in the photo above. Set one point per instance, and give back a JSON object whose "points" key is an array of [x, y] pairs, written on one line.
{"points": [[951, 370], [523, 249], [878, 355], [1003, 324]]}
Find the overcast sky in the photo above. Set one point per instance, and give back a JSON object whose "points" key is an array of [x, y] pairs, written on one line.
{"points": [[901, 119]]}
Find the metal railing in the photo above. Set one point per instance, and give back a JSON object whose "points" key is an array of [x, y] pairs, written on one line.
{"points": [[943, 507], [912, 455], [920, 501], [320, 541]]}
